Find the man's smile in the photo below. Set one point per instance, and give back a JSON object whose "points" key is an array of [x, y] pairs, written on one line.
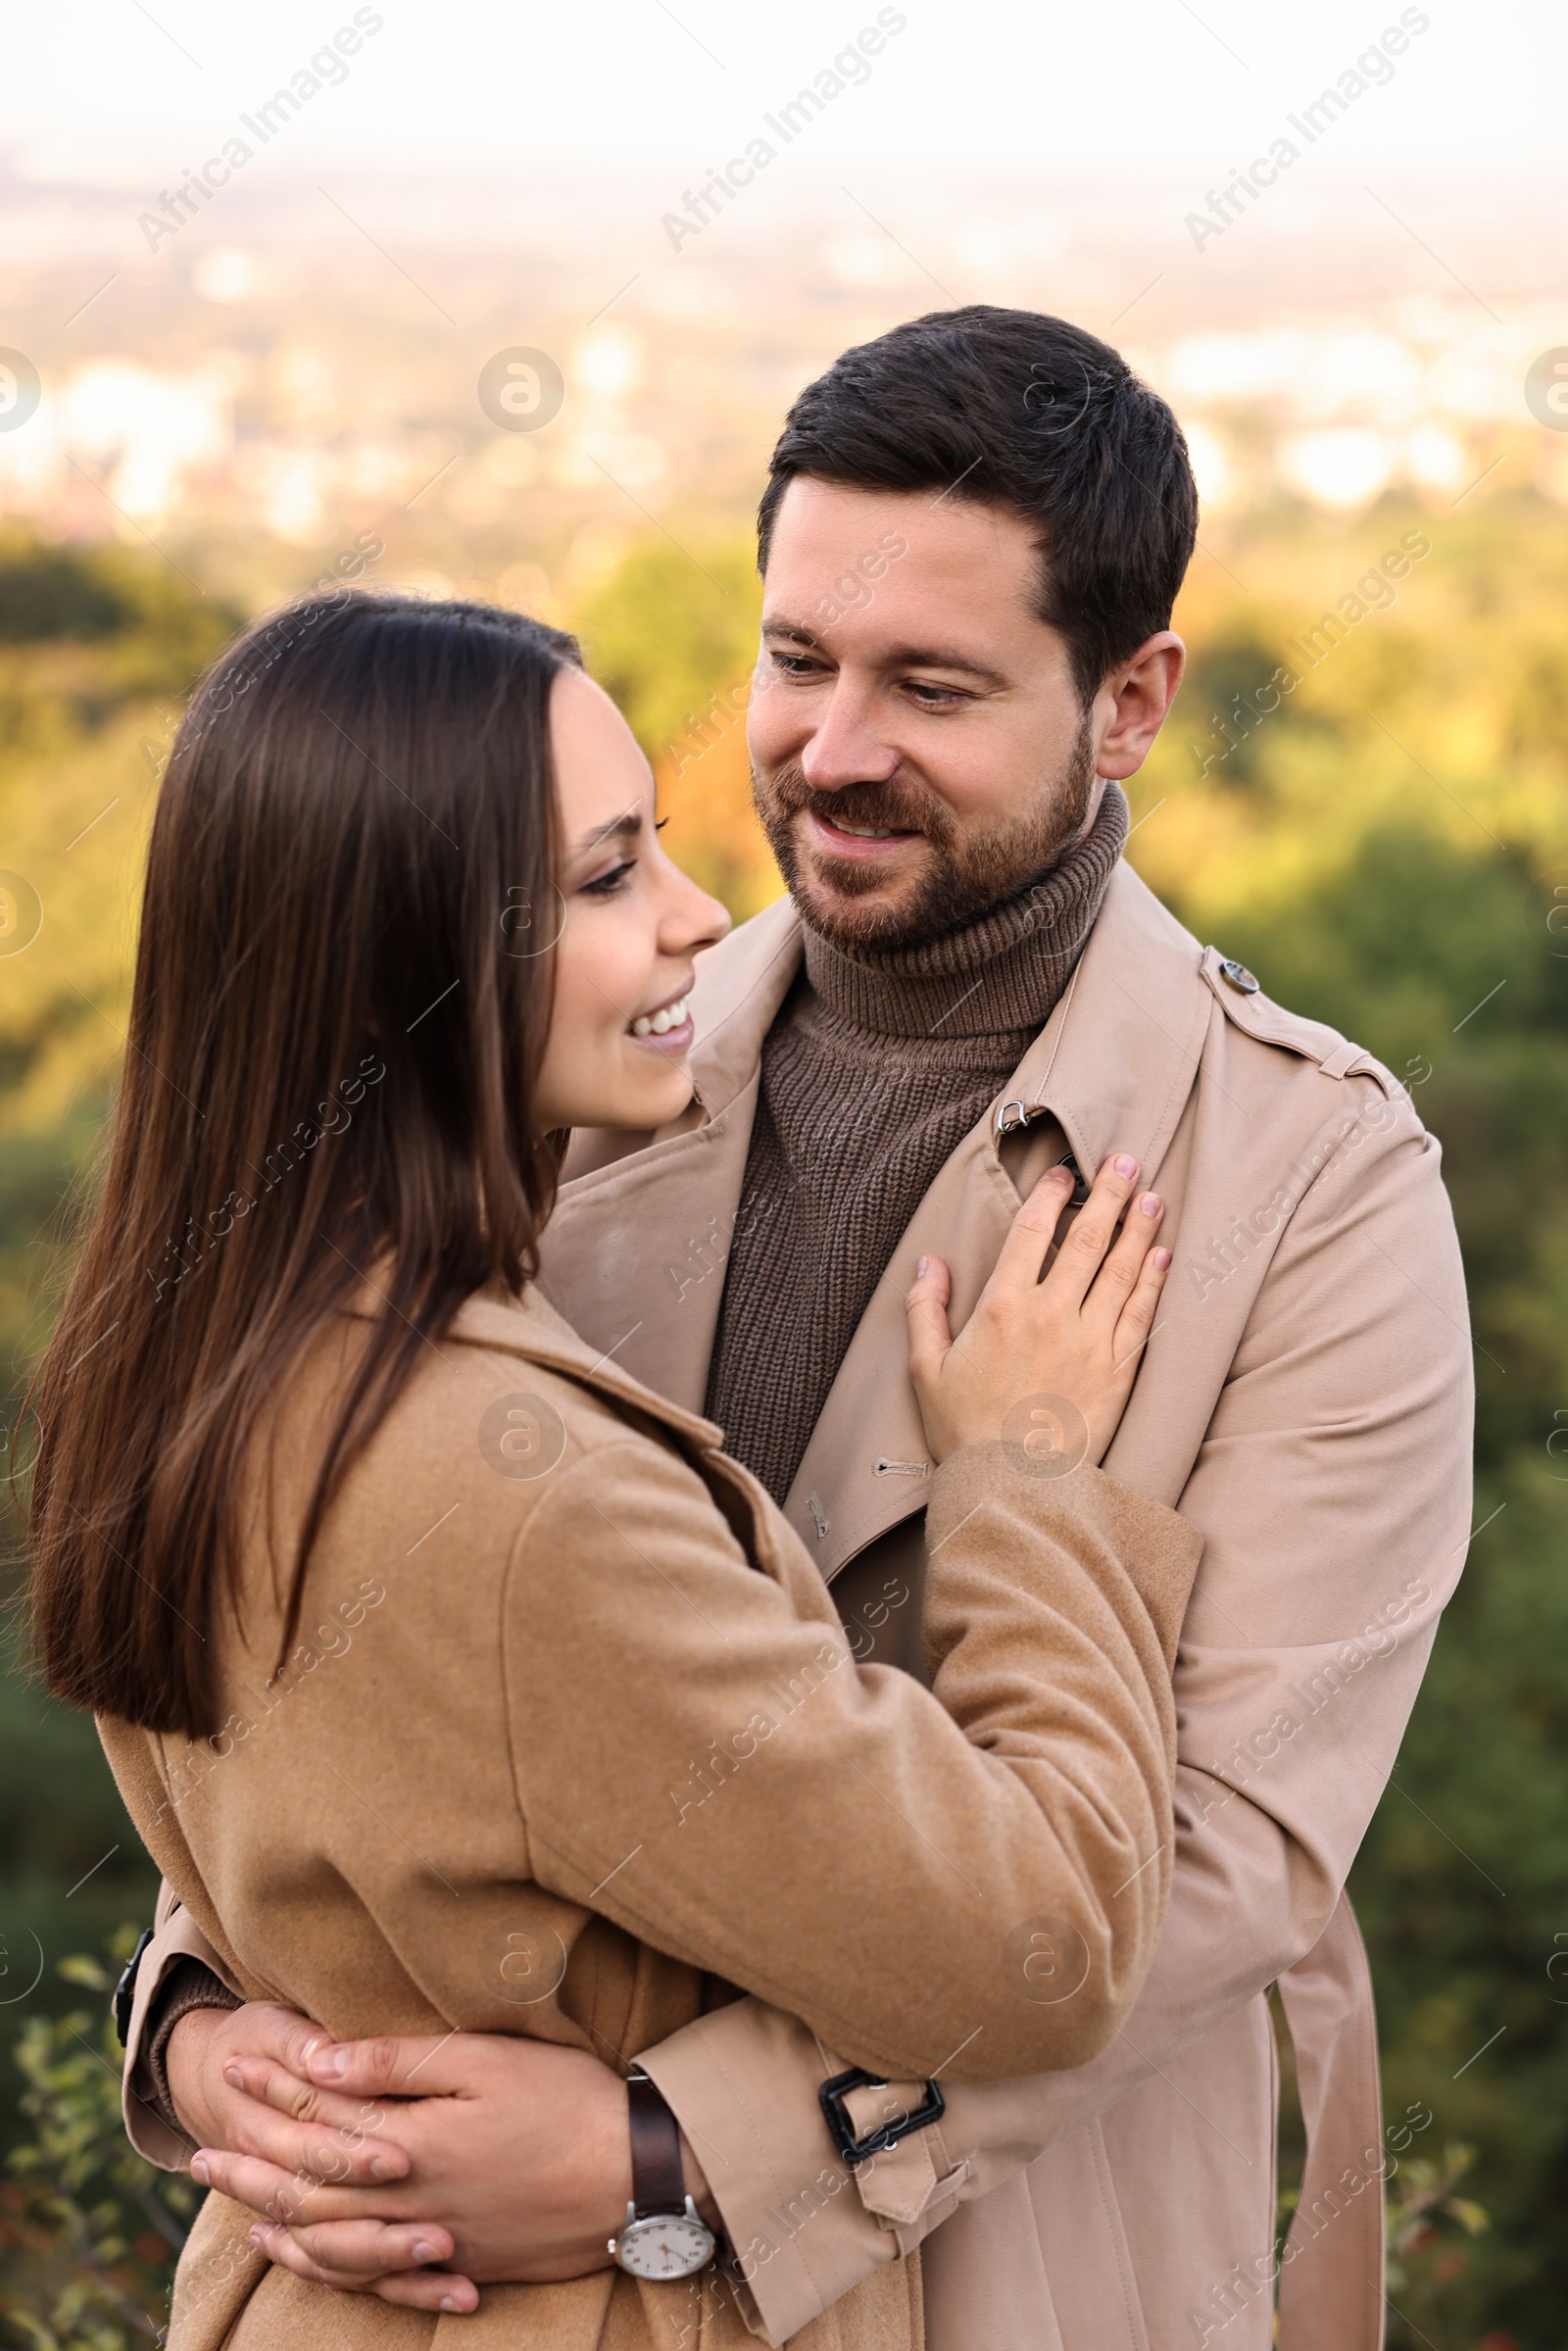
{"points": [[841, 839]]}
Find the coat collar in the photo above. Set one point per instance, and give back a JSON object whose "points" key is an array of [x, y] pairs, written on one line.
{"points": [[1113, 1066], [1109, 1068], [529, 1327], [635, 1254]]}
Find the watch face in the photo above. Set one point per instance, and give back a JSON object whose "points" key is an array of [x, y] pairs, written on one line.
{"points": [[665, 2245]]}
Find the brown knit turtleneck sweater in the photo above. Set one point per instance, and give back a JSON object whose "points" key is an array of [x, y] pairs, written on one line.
{"points": [[875, 1068]]}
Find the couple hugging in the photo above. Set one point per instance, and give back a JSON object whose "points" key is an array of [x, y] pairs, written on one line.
{"points": [[767, 1805]]}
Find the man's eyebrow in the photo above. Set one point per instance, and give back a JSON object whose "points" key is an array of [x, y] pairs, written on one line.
{"points": [[941, 656], [624, 827], [900, 657], [792, 630]]}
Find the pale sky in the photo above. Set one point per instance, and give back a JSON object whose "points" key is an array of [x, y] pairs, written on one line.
{"points": [[1101, 97]]}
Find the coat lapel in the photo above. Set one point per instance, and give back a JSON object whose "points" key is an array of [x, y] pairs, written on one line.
{"points": [[634, 1256], [1113, 1067]]}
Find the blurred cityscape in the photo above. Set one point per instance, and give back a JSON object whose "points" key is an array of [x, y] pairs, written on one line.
{"points": [[278, 376]]}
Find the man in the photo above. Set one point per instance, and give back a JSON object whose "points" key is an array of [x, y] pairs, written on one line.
{"points": [[971, 542]]}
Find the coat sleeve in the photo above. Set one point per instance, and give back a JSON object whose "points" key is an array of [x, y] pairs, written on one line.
{"points": [[970, 1881], [177, 1945], [1333, 1494]]}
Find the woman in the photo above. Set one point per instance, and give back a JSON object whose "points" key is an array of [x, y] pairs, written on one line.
{"points": [[403, 1614]]}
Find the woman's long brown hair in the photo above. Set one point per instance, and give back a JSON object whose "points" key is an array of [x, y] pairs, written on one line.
{"points": [[341, 1000]]}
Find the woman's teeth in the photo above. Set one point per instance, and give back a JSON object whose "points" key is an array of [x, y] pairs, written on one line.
{"points": [[660, 1023]]}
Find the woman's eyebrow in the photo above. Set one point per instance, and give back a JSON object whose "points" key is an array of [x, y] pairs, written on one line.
{"points": [[625, 827]]}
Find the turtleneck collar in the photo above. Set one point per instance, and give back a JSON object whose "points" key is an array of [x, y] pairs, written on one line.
{"points": [[999, 975]]}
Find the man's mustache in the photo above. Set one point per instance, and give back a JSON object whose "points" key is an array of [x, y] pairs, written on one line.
{"points": [[884, 807]]}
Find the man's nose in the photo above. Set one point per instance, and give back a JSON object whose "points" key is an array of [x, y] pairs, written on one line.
{"points": [[845, 749]]}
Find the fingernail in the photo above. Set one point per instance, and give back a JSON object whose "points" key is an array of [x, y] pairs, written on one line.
{"points": [[449, 2302], [200, 2171], [234, 2077], [922, 1269], [1161, 1259], [1149, 1204], [1125, 1164], [328, 2065], [380, 2169], [425, 2252]]}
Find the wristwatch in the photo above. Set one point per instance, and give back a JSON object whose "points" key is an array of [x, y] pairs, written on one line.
{"points": [[663, 2235]]}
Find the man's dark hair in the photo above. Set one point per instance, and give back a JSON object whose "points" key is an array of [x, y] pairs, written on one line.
{"points": [[1010, 408]]}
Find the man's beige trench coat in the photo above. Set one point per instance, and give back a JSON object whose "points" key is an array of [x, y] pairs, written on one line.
{"points": [[1307, 1402]]}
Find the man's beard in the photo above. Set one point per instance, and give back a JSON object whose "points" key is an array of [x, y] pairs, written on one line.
{"points": [[963, 872]]}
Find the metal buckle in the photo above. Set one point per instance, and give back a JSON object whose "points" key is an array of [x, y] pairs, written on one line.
{"points": [[887, 2134], [1080, 1182], [125, 1994]]}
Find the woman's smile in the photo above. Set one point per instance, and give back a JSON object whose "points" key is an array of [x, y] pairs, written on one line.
{"points": [[669, 1027]]}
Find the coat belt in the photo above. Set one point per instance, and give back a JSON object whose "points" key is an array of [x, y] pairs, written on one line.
{"points": [[1332, 2273]]}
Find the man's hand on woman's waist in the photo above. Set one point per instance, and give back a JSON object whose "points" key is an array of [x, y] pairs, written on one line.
{"points": [[369, 2163]]}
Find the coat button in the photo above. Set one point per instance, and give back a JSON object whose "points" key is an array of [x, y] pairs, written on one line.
{"points": [[1239, 977]]}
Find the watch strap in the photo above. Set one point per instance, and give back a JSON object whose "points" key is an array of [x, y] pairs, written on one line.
{"points": [[657, 2175]]}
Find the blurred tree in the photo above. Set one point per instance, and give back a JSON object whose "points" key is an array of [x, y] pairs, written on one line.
{"points": [[94, 644], [53, 591], [674, 641]]}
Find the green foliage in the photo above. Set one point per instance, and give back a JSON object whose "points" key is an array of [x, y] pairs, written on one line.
{"points": [[112, 633], [89, 2233], [1427, 2228], [116, 624], [674, 640], [666, 633], [53, 591]]}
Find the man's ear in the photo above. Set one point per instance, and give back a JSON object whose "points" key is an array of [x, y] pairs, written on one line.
{"points": [[1132, 704]]}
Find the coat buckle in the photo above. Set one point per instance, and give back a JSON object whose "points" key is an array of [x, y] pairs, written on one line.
{"points": [[886, 2135]]}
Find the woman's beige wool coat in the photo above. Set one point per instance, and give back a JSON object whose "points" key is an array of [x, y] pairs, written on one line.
{"points": [[572, 1744]]}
